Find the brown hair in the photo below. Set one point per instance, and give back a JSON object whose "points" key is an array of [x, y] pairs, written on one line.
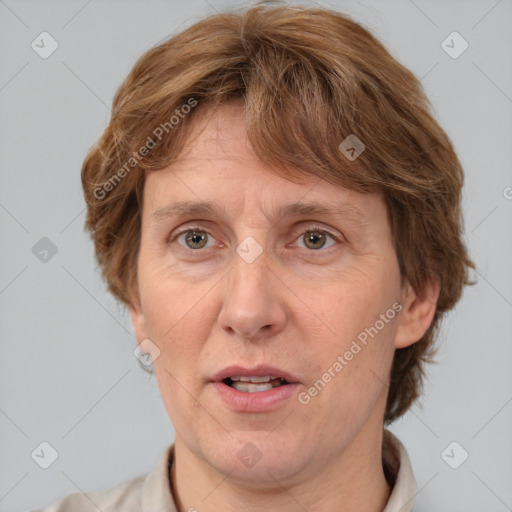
{"points": [[308, 78]]}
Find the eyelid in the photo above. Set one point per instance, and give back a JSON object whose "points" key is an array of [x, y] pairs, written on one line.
{"points": [[175, 234], [314, 227]]}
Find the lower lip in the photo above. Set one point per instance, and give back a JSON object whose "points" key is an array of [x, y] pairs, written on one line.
{"points": [[260, 401]]}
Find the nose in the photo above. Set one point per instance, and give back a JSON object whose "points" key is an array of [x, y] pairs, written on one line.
{"points": [[252, 307]]}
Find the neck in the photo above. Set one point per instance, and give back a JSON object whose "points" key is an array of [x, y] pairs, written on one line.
{"points": [[352, 481]]}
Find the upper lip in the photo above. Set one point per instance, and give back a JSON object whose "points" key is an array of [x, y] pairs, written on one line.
{"points": [[256, 371]]}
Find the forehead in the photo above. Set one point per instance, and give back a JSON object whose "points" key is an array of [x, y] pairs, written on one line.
{"points": [[218, 165], [217, 133]]}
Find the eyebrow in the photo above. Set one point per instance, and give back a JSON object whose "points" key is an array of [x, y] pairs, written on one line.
{"points": [[348, 212]]}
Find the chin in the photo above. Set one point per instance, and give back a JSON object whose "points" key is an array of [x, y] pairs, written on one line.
{"points": [[258, 459]]}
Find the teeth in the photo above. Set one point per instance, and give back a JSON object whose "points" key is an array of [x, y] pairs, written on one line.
{"points": [[267, 378], [247, 387]]}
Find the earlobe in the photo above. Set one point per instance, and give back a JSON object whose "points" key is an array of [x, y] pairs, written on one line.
{"points": [[138, 322], [417, 313]]}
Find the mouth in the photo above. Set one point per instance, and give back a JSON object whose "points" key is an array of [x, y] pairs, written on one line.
{"points": [[254, 384], [258, 389]]}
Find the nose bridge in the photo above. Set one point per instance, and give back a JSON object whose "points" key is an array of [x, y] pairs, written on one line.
{"points": [[247, 277], [251, 304]]}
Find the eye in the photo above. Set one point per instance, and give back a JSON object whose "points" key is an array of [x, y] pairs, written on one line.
{"points": [[194, 238], [316, 239]]}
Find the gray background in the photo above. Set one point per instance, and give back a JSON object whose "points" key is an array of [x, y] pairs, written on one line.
{"points": [[68, 374]]}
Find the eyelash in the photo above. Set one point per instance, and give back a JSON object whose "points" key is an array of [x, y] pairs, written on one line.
{"points": [[312, 228]]}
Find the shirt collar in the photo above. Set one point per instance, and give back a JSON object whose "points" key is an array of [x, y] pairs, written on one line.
{"points": [[157, 496], [396, 460], [156, 493]]}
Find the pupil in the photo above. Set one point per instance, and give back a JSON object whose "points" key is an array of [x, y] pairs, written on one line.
{"points": [[196, 239], [315, 239]]}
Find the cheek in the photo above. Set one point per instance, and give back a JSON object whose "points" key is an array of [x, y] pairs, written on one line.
{"points": [[176, 319], [167, 298], [350, 373], [345, 391], [354, 300]]}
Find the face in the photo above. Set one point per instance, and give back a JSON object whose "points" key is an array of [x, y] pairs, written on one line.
{"points": [[275, 307]]}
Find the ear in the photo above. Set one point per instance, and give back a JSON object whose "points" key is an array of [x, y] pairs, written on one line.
{"points": [[138, 321], [417, 313]]}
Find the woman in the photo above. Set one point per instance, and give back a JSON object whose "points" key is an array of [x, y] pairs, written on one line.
{"points": [[280, 212]]}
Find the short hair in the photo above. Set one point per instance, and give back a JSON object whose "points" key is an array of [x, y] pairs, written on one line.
{"points": [[307, 78]]}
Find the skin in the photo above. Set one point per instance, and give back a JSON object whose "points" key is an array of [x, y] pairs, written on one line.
{"points": [[297, 307]]}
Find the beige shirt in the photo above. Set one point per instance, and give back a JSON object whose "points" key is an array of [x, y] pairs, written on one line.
{"points": [[152, 492]]}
